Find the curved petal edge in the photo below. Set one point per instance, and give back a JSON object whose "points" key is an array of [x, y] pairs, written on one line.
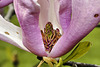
{"points": [[4, 3], [11, 33]]}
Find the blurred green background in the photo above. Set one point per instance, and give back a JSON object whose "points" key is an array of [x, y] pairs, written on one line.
{"points": [[27, 59]]}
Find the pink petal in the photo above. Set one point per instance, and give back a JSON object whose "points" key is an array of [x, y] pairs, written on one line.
{"points": [[28, 15], [85, 16], [5, 3], [65, 13]]}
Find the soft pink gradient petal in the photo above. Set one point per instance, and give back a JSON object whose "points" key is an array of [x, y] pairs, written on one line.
{"points": [[43, 16], [83, 21], [28, 15], [5, 3], [65, 13]]}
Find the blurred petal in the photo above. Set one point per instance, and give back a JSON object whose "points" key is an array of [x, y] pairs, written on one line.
{"points": [[65, 13], [2, 11], [10, 33], [5, 3], [28, 15], [85, 16]]}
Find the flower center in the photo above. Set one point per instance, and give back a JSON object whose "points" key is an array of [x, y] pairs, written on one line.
{"points": [[50, 36]]}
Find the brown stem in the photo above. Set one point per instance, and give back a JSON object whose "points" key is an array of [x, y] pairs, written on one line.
{"points": [[78, 64]]}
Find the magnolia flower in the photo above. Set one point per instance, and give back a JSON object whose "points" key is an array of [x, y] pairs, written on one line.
{"points": [[50, 28]]}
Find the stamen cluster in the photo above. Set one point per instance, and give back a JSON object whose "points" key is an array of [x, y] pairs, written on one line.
{"points": [[50, 36]]}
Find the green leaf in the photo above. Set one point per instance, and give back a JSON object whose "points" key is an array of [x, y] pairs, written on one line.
{"points": [[60, 63], [79, 50], [14, 20]]}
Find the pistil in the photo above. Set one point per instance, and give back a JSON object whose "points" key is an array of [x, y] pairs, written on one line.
{"points": [[50, 36]]}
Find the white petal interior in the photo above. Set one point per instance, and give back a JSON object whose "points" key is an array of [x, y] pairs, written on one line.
{"points": [[49, 12], [53, 14], [35, 1], [11, 33], [43, 16]]}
